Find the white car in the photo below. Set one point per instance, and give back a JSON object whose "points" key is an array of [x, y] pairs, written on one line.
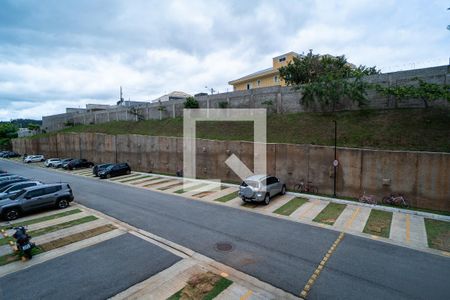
{"points": [[34, 158], [51, 162]]}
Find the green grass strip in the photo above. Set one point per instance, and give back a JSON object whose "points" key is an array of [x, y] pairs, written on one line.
{"points": [[181, 191], [121, 177], [291, 206], [176, 296], [52, 228], [438, 234], [379, 223], [330, 213], [43, 219], [227, 198], [135, 178], [12, 257], [219, 287]]}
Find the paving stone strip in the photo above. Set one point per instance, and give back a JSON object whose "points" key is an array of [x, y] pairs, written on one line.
{"points": [[167, 187], [222, 193], [52, 222], [76, 237], [311, 209], [68, 231], [131, 180], [176, 188], [123, 177], [145, 180], [43, 217], [276, 203]]}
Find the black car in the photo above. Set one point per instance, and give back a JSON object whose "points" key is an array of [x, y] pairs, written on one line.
{"points": [[10, 180], [10, 154], [115, 170], [99, 167], [78, 163]]}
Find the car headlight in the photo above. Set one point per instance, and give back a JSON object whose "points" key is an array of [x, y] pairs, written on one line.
{"points": [[259, 194]]}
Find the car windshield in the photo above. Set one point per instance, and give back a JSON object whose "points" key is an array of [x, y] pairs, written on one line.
{"points": [[19, 193]]}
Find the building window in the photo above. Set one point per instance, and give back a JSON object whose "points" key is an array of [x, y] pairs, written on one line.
{"points": [[282, 59], [249, 86], [258, 83], [275, 78]]}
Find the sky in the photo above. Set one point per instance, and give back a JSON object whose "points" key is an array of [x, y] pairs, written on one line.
{"points": [[57, 54]]}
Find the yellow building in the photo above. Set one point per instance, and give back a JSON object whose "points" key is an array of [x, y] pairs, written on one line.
{"points": [[264, 78]]}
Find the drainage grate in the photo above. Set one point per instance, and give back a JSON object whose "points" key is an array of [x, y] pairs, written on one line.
{"points": [[224, 246]]}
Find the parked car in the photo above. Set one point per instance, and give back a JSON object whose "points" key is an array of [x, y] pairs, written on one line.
{"points": [[115, 170], [14, 188], [40, 196], [12, 179], [6, 174], [34, 158], [78, 163], [51, 161], [100, 167], [62, 162], [260, 188], [9, 154]]}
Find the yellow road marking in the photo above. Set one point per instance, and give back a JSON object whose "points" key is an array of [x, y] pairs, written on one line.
{"points": [[247, 295], [313, 204], [408, 227], [316, 273], [352, 218]]}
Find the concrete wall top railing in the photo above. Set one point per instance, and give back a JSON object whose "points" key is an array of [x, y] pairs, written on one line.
{"points": [[423, 177], [283, 99]]}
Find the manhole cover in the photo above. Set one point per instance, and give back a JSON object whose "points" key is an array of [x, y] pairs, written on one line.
{"points": [[224, 246]]}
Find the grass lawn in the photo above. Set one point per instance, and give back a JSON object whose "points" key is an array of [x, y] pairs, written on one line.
{"points": [[379, 223], [9, 258], [53, 228], [220, 286], [395, 129], [330, 213], [227, 198], [438, 233], [43, 219], [291, 206]]}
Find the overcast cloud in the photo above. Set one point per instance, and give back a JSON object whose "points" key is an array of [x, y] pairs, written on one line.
{"points": [[58, 54]]}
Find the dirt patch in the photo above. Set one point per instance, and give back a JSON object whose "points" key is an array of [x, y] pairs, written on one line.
{"points": [[199, 286]]}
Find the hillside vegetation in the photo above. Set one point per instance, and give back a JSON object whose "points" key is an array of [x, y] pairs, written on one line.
{"points": [[400, 129]]}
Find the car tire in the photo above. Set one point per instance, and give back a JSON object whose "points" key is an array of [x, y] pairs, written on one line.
{"points": [[128, 172], [267, 199], [283, 190], [11, 214], [108, 176], [62, 203]]}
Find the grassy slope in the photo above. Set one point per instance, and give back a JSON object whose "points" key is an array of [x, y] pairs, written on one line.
{"points": [[401, 129]]}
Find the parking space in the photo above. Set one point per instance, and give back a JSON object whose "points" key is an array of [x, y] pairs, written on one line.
{"points": [[404, 228]]}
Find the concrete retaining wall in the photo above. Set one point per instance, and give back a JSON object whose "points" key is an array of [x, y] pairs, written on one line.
{"points": [[283, 99], [423, 177]]}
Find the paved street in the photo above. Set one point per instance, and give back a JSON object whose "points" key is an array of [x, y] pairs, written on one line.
{"points": [[280, 252], [90, 273]]}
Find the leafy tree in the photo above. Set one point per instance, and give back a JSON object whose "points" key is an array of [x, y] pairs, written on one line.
{"points": [[427, 92], [191, 102], [32, 126], [327, 80], [8, 130]]}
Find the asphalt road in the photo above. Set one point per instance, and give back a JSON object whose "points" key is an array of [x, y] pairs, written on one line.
{"points": [[89, 273], [279, 252]]}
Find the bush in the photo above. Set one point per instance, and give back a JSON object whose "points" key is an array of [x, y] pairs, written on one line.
{"points": [[223, 104], [191, 103]]}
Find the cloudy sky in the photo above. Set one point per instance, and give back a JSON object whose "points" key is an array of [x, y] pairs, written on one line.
{"points": [[56, 54]]}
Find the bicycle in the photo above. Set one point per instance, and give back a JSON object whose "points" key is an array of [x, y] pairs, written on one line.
{"points": [[306, 188], [396, 200], [369, 199]]}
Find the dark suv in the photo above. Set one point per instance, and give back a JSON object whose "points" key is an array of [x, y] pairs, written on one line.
{"points": [[100, 167], [78, 163], [115, 170], [46, 195]]}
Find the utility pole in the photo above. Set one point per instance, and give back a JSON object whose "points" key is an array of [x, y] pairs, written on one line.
{"points": [[335, 162]]}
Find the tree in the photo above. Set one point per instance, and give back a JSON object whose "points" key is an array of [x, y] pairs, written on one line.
{"points": [[327, 80], [191, 102], [427, 92], [32, 126]]}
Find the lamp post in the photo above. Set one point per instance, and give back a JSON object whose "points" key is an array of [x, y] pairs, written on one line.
{"points": [[335, 162]]}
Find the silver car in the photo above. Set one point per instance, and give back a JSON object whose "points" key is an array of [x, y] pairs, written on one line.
{"points": [[260, 188]]}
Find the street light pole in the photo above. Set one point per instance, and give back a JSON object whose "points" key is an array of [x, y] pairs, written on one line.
{"points": [[335, 158]]}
